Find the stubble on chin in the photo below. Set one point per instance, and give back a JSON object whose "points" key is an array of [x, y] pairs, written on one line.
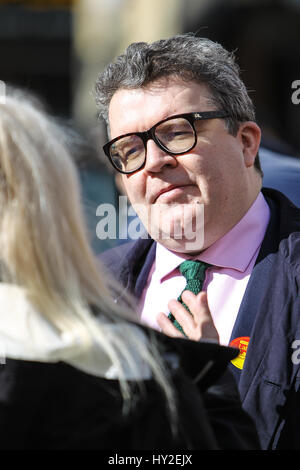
{"points": [[179, 227]]}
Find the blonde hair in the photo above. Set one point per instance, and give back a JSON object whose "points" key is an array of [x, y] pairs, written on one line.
{"points": [[43, 241]]}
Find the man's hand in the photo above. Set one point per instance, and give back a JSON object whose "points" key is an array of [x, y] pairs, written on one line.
{"points": [[197, 326]]}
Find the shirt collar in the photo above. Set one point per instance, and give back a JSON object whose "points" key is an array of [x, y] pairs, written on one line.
{"points": [[234, 250]]}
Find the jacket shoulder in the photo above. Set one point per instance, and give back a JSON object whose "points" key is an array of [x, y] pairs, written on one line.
{"points": [[285, 232], [126, 258], [289, 248], [116, 255]]}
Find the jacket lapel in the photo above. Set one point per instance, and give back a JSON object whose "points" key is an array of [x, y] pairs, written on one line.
{"points": [[135, 266], [249, 322], [142, 277], [257, 326]]}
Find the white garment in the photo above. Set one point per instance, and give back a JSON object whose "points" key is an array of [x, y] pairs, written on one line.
{"points": [[26, 335]]}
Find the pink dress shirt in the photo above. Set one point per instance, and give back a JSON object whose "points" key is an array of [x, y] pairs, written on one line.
{"points": [[232, 256]]}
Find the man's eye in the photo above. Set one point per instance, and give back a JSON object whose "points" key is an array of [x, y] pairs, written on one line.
{"points": [[131, 153], [177, 134], [124, 154], [182, 132]]}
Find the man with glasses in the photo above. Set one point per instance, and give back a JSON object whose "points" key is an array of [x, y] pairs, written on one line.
{"points": [[183, 134]]}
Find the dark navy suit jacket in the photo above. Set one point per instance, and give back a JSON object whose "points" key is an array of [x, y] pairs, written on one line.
{"points": [[269, 314]]}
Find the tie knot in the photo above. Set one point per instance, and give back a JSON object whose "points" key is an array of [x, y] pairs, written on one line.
{"points": [[193, 269], [194, 273]]}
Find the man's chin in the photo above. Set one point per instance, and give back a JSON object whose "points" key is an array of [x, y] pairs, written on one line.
{"points": [[179, 227], [184, 245], [188, 238]]}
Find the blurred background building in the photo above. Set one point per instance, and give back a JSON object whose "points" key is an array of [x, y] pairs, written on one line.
{"points": [[56, 48]]}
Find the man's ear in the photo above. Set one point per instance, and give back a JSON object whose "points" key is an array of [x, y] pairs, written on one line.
{"points": [[249, 134]]}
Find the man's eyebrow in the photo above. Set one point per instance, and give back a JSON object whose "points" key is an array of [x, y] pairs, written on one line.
{"points": [[123, 144]]}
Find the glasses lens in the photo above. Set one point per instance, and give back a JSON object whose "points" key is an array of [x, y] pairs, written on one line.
{"points": [[177, 135], [128, 153]]}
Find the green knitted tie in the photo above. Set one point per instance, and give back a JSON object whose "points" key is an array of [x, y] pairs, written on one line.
{"points": [[194, 272]]}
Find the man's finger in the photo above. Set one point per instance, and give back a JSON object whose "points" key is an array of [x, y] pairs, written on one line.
{"points": [[184, 318], [167, 326], [202, 317], [197, 304]]}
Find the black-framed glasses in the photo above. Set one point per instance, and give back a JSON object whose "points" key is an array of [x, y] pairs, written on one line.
{"points": [[175, 135]]}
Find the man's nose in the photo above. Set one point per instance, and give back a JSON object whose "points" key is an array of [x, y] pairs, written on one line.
{"points": [[158, 158]]}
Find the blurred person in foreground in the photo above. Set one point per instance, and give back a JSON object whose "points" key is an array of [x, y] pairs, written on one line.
{"points": [[183, 135], [77, 371]]}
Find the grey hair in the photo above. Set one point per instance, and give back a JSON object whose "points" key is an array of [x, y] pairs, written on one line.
{"points": [[186, 57]]}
